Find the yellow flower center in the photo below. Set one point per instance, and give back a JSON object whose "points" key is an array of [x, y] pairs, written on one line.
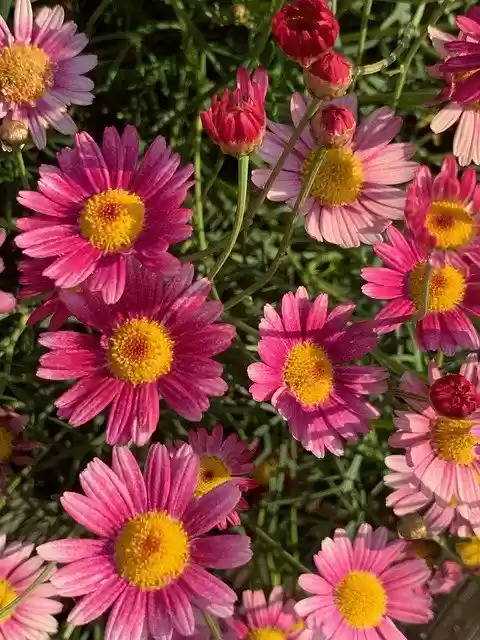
{"points": [[7, 596], [453, 440], [112, 220], [339, 179], [6, 444], [152, 550], [450, 224], [266, 634], [361, 599], [25, 72], [213, 472], [140, 350], [446, 288], [308, 373], [469, 552]]}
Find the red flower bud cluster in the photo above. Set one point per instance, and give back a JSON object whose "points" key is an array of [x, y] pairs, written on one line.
{"points": [[454, 396]]}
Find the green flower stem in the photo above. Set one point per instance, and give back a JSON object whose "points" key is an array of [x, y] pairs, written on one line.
{"points": [[21, 165], [367, 8], [242, 190], [212, 625], [10, 351]]}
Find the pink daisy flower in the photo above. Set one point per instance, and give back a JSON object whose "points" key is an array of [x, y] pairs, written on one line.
{"points": [[7, 300], [41, 71], [351, 200], [362, 587], [452, 294], [443, 212], [304, 371], [152, 549], [14, 448], [156, 342], [222, 460], [101, 208], [32, 618]]}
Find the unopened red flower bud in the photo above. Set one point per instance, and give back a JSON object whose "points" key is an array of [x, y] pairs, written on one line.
{"points": [[329, 76], [454, 396], [333, 126], [236, 121], [304, 29], [13, 135]]}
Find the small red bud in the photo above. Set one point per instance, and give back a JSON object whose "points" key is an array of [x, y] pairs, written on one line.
{"points": [[329, 76], [333, 126], [454, 396]]}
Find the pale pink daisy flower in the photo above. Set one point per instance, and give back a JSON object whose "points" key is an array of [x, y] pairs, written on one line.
{"points": [[305, 373], [222, 460], [362, 587], [7, 300], [352, 199], [158, 341], [453, 288], [151, 553], [102, 208], [41, 71], [14, 448], [32, 618]]}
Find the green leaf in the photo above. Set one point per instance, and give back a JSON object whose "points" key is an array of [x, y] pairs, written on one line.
{"points": [[5, 6]]}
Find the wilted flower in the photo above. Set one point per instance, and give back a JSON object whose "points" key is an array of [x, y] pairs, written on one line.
{"points": [[13, 135]]}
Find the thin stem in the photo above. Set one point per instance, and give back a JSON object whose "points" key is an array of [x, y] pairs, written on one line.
{"points": [[242, 190], [21, 165], [212, 625], [10, 351], [96, 15], [367, 8]]}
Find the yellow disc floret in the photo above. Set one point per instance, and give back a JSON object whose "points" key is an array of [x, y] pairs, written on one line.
{"points": [[213, 472], [152, 550], [450, 224], [25, 73], [469, 552], [446, 287], [453, 441], [361, 599], [308, 373], [6, 444], [339, 178], [268, 633], [140, 350], [112, 220], [7, 596]]}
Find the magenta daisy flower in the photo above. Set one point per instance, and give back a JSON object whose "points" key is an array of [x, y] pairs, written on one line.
{"points": [[101, 208], [304, 371], [32, 618], [443, 212], [156, 342], [152, 549], [14, 448], [352, 200], [452, 294], [362, 587], [7, 300], [41, 71], [222, 460]]}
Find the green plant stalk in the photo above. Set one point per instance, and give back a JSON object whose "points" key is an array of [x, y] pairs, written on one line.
{"points": [[21, 165], [212, 625], [242, 191], [367, 8]]}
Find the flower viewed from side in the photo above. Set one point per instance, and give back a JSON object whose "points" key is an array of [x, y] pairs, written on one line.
{"points": [[452, 294], [352, 200], [333, 126], [237, 121], [7, 300], [304, 29], [34, 283], [222, 460], [361, 587], [14, 448], [151, 552], [41, 71], [443, 212], [304, 371], [329, 76], [101, 208]]}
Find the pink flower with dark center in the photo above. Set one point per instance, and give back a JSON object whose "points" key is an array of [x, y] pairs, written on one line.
{"points": [[41, 71], [151, 553], [14, 448], [7, 300], [304, 370], [157, 342], [102, 208]]}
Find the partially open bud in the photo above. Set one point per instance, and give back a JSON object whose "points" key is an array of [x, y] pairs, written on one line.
{"points": [[333, 126], [13, 135], [454, 396], [329, 76], [412, 527], [242, 14]]}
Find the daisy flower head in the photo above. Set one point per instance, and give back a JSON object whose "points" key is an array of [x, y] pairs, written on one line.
{"points": [[452, 294], [41, 71], [362, 587], [14, 448], [352, 200], [7, 300], [156, 342], [152, 550], [101, 208], [34, 283], [304, 371], [222, 459]]}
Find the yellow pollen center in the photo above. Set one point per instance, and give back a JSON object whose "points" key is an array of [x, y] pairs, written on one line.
{"points": [[469, 552], [453, 440], [266, 634], [140, 350], [361, 599], [7, 596], [152, 550], [112, 220], [308, 373], [446, 288], [213, 472], [25, 73], [6, 444], [339, 179], [450, 224]]}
